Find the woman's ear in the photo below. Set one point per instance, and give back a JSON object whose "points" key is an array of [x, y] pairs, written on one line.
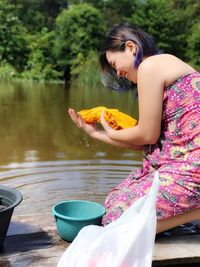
{"points": [[130, 45]]}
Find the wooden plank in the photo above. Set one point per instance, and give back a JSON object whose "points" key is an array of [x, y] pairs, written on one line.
{"points": [[178, 245], [37, 249], [176, 250], [23, 224], [32, 241]]}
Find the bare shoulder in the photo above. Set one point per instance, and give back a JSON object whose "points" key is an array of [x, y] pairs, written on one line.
{"points": [[164, 67]]}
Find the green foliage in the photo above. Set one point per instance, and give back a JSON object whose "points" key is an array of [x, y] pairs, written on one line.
{"points": [[7, 72], [78, 31], [114, 11], [41, 64], [52, 39], [169, 22], [88, 72], [36, 14], [193, 51], [13, 45]]}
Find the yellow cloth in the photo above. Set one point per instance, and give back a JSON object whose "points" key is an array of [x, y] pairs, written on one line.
{"points": [[116, 119]]}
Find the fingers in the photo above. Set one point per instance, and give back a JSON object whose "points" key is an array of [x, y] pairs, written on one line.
{"points": [[103, 121], [73, 114], [81, 122], [77, 119], [102, 115]]}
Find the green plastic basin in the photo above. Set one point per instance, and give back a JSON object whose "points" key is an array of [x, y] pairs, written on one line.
{"points": [[72, 215]]}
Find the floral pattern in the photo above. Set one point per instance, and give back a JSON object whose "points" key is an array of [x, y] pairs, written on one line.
{"points": [[176, 156]]}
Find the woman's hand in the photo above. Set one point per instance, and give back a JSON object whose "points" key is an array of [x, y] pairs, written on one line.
{"points": [[108, 129], [90, 129]]}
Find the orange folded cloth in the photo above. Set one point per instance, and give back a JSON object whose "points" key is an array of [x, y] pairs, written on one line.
{"points": [[116, 119]]}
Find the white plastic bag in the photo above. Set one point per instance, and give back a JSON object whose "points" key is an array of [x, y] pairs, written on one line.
{"points": [[126, 242]]}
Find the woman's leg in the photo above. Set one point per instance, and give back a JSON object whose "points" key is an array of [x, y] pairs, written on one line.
{"points": [[165, 224]]}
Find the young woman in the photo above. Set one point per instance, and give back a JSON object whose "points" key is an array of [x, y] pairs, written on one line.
{"points": [[168, 128]]}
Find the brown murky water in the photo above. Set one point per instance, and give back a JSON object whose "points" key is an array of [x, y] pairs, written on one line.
{"points": [[46, 157]]}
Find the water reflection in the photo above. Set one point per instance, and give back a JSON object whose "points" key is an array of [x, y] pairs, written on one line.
{"points": [[53, 181], [46, 157]]}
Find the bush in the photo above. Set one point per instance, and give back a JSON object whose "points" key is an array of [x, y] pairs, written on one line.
{"points": [[41, 63], [88, 72], [78, 31], [193, 51], [169, 22], [7, 72], [13, 44]]}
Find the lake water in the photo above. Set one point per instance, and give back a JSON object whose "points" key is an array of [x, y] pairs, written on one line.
{"points": [[46, 157]]}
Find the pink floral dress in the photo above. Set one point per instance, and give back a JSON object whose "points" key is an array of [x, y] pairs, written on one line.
{"points": [[176, 156]]}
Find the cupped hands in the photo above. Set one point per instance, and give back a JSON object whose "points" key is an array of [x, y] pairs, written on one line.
{"points": [[90, 129]]}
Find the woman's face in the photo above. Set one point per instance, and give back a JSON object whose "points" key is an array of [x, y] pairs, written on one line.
{"points": [[123, 62]]}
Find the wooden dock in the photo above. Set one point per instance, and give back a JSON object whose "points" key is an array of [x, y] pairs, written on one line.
{"points": [[32, 241]]}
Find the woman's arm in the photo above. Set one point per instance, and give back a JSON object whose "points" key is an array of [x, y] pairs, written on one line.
{"points": [[150, 83], [93, 132], [102, 136]]}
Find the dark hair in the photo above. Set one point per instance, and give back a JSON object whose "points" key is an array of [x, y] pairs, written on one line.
{"points": [[115, 41]]}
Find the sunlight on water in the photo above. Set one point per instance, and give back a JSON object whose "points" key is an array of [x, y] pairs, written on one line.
{"points": [[47, 183]]}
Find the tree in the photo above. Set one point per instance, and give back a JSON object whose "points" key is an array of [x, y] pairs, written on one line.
{"points": [[36, 14], [193, 51], [169, 22], [13, 44], [79, 30], [114, 11], [41, 64]]}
